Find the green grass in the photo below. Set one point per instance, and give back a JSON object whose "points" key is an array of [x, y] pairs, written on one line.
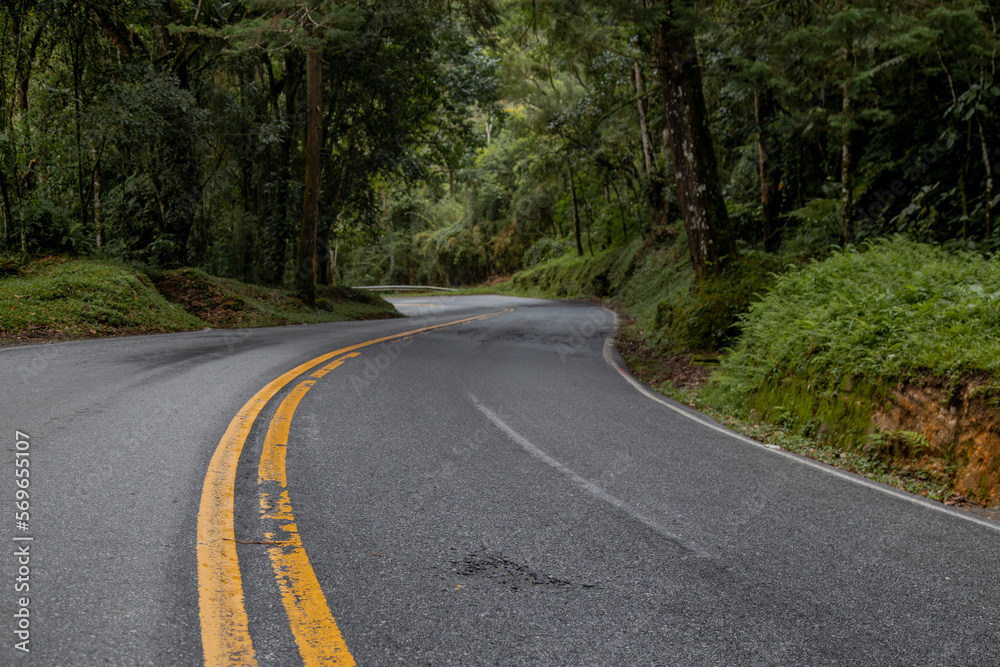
{"points": [[229, 303], [81, 297], [824, 350], [59, 298], [566, 277]]}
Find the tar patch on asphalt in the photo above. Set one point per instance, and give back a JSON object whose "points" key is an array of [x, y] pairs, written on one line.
{"points": [[502, 570]]}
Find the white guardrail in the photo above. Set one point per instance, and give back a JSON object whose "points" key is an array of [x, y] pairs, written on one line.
{"points": [[404, 288]]}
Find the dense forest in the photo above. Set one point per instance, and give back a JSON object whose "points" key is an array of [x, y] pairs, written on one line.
{"points": [[449, 142], [807, 187]]}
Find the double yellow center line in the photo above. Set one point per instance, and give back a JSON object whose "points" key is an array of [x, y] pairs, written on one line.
{"points": [[224, 624]]}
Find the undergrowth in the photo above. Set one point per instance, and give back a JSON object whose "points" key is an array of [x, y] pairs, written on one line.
{"points": [[55, 298], [828, 340], [60, 297], [229, 303]]}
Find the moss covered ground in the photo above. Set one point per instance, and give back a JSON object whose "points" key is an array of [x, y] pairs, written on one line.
{"points": [[57, 298]]}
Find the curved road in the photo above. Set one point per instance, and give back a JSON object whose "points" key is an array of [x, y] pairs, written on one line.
{"points": [[479, 484]]}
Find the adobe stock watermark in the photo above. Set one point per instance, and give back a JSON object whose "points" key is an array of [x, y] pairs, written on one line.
{"points": [[44, 356], [485, 432], [40, 361], [22, 541], [913, 173], [374, 364], [92, 483], [595, 322], [233, 338]]}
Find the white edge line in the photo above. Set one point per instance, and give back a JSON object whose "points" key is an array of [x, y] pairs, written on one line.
{"points": [[772, 449], [589, 486]]}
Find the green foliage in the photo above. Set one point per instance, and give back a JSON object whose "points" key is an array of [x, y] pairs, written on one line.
{"points": [[58, 297], [916, 79], [172, 135], [707, 317], [228, 303], [897, 445], [861, 319], [545, 249], [569, 276]]}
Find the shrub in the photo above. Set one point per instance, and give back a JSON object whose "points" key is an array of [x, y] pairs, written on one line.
{"points": [[707, 318], [890, 311]]}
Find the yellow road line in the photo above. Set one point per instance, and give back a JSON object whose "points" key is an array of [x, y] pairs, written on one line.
{"points": [[224, 626], [314, 628], [272, 459], [329, 367]]}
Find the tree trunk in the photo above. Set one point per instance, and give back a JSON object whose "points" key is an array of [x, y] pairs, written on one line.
{"points": [[590, 216], [322, 266], [276, 249], [640, 105], [709, 232], [77, 58], [962, 179], [989, 178], [306, 274], [333, 261], [387, 223], [847, 167], [576, 214], [659, 206], [97, 198], [24, 229], [621, 211], [8, 221], [770, 195]]}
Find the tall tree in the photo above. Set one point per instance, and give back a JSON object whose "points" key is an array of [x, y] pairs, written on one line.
{"points": [[309, 26], [659, 205], [306, 275], [703, 209]]}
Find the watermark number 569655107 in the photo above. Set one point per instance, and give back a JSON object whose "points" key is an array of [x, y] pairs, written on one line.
{"points": [[22, 541]]}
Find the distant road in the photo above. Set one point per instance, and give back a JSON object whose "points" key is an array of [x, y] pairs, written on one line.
{"points": [[475, 485], [410, 288]]}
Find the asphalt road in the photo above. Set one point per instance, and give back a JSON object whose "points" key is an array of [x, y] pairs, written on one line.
{"points": [[491, 492]]}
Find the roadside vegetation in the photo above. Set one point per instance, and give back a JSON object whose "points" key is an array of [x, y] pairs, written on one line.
{"points": [[889, 353], [227, 303], [59, 298], [55, 298], [894, 311]]}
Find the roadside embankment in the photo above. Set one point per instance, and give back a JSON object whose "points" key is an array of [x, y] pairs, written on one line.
{"points": [[56, 298], [893, 351]]}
